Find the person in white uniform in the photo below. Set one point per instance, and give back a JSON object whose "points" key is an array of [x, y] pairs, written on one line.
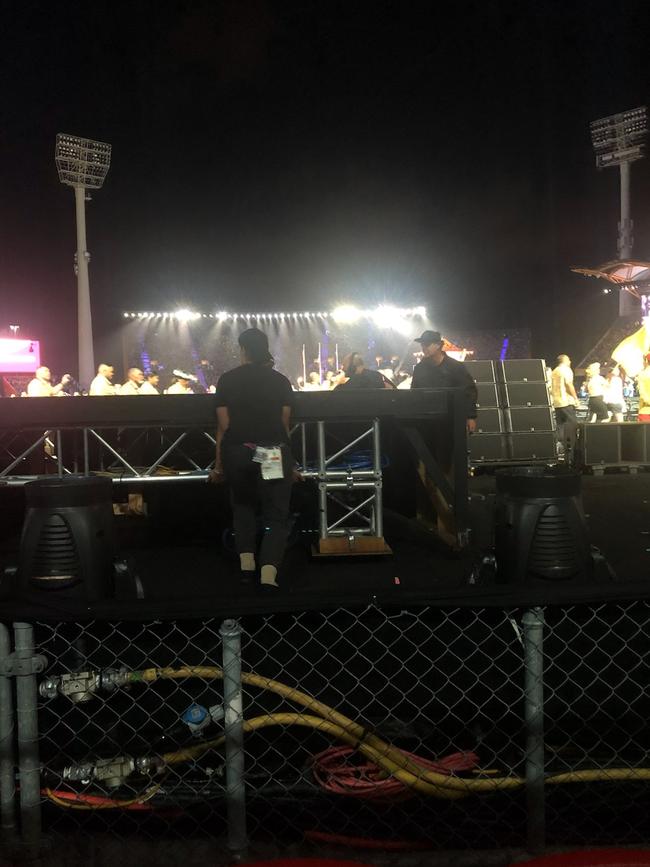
{"points": [[134, 380], [150, 385], [41, 385], [102, 384], [182, 384]]}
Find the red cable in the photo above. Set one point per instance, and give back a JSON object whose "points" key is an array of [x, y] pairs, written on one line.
{"points": [[336, 774], [366, 842], [95, 800], [593, 858]]}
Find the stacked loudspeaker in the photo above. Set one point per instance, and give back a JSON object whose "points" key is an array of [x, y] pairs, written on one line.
{"points": [[515, 420]]}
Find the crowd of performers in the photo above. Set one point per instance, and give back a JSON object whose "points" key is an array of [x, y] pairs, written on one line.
{"points": [[383, 372]]}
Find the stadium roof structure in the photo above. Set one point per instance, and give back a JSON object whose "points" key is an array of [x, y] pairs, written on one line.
{"points": [[630, 274]]}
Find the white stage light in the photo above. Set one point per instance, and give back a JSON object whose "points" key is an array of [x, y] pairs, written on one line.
{"points": [[222, 316], [346, 314], [185, 315]]}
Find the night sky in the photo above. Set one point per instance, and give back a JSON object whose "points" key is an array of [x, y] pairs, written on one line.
{"points": [[293, 155]]}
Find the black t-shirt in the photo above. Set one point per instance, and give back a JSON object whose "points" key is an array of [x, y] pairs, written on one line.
{"points": [[365, 379], [448, 374], [254, 395]]}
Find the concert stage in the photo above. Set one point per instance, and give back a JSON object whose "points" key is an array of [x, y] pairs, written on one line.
{"points": [[182, 550], [179, 556]]}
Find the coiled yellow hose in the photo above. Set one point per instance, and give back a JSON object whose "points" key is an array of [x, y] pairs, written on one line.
{"points": [[329, 721]]}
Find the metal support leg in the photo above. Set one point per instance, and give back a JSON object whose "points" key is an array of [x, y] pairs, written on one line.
{"points": [[234, 736], [533, 623], [27, 716], [7, 766], [322, 484], [376, 456]]}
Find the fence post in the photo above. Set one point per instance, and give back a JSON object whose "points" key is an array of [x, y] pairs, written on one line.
{"points": [[7, 767], [27, 717], [533, 623], [234, 736]]}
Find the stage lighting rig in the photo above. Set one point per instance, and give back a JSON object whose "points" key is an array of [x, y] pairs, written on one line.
{"points": [[83, 165], [619, 140]]}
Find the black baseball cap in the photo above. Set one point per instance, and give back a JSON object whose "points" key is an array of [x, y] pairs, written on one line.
{"points": [[429, 337], [256, 345]]}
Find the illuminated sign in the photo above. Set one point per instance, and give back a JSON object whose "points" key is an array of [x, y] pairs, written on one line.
{"points": [[19, 356]]}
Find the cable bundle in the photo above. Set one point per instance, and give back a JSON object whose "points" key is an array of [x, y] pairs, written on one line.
{"points": [[336, 773]]}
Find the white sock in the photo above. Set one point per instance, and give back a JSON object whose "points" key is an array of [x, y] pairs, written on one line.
{"points": [[268, 575], [247, 562]]}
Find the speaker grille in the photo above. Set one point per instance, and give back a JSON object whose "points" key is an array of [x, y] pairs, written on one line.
{"points": [[56, 560], [553, 552]]}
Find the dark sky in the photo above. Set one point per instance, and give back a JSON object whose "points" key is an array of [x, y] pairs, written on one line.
{"points": [[291, 155]]}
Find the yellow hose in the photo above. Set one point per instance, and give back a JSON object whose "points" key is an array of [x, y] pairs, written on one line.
{"points": [[386, 756], [392, 758], [321, 725]]}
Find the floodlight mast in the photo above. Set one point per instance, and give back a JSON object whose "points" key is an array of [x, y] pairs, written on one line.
{"points": [[82, 164], [619, 140]]}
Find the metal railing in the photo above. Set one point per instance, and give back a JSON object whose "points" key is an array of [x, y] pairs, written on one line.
{"points": [[422, 729]]}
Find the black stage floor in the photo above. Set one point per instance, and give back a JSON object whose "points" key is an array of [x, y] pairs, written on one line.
{"points": [[185, 571]]}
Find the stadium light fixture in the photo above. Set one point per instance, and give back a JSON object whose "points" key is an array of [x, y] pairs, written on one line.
{"points": [[619, 140], [83, 165], [346, 314]]}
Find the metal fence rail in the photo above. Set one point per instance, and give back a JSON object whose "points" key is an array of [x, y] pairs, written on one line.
{"points": [[422, 729]]}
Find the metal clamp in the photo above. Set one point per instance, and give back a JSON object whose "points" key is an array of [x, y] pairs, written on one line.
{"points": [[19, 666]]}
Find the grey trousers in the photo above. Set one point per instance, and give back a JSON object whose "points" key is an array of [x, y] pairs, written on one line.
{"points": [[251, 495]]}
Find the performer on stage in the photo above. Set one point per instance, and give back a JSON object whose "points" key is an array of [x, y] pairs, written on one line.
{"points": [[438, 370], [150, 385], [102, 384], [614, 396], [643, 383], [182, 384], [358, 375], [41, 385], [134, 379], [253, 455], [565, 401], [596, 385]]}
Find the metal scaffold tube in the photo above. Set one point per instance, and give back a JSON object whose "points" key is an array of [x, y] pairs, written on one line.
{"points": [[322, 484], [27, 718], [234, 736], [533, 623], [7, 764]]}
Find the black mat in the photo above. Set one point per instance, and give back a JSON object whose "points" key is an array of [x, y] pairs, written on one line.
{"points": [[185, 572]]}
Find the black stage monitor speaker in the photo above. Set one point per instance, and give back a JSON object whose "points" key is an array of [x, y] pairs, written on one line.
{"points": [[601, 444], [67, 543], [488, 448], [487, 394], [634, 442], [524, 370], [538, 446], [541, 533], [489, 420], [481, 371], [527, 394], [531, 418]]}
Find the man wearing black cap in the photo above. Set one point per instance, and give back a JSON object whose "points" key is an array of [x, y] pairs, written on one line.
{"points": [[253, 455], [438, 370]]}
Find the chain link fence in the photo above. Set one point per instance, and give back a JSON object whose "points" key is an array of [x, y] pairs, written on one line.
{"points": [[420, 729]]}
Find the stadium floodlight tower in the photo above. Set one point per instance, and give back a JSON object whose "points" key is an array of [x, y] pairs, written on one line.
{"points": [[619, 140], [82, 164]]}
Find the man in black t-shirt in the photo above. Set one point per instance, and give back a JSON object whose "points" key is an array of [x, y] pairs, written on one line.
{"points": [[438, 370], [253, 455]]}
